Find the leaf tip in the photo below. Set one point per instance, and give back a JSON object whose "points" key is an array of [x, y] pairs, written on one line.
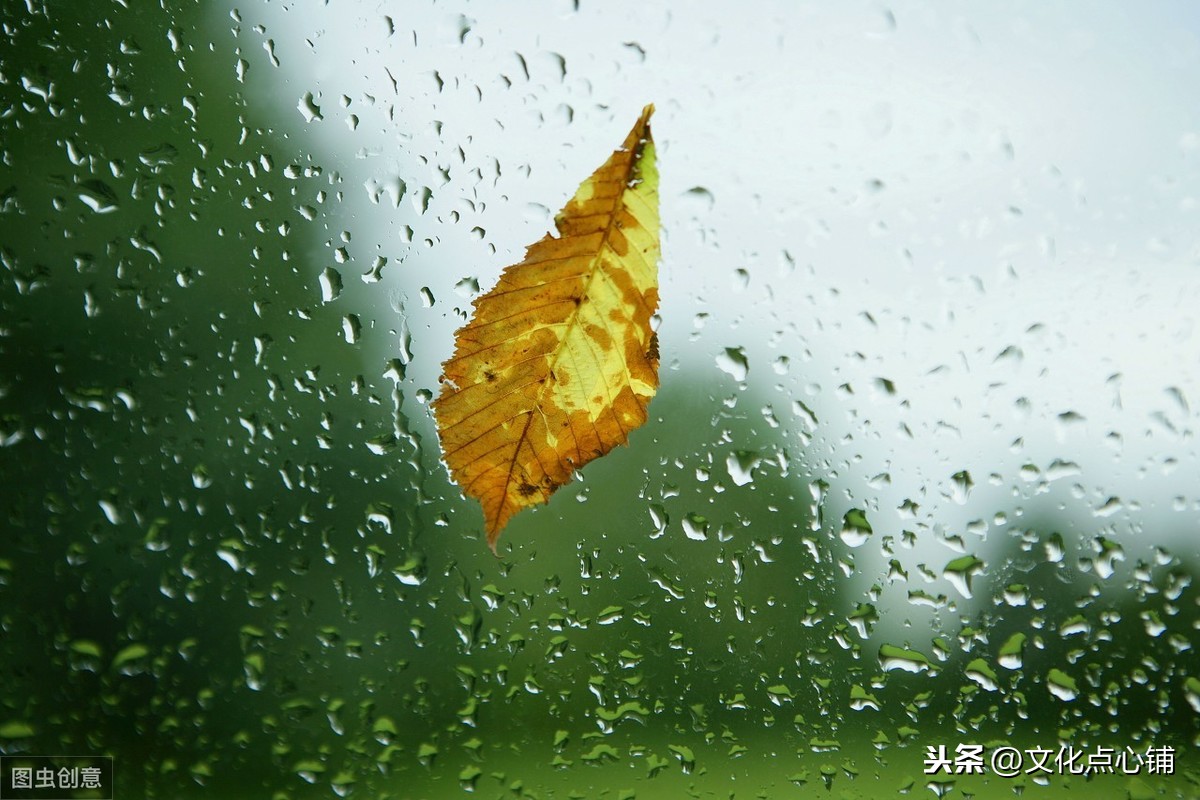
{"points": [[647, 112], [493, 537]]}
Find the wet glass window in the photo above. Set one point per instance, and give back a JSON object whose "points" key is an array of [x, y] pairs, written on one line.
{"points": [[915, 508]]}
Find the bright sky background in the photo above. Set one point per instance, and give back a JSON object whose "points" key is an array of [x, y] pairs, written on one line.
{"points": [[993, 207]]}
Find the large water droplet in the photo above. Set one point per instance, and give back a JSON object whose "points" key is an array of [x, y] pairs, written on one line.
{"points": [[331, 284], [856, 530], [733, 361]]}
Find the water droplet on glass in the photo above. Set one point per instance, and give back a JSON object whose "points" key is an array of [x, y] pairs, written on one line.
{"points": [[351, 328], [421, 198], [411, 572], [98, 196], [375, 273], [979, 671], [962, 486], [1010, 655], [1191, 689], [200, 477], [382, 444], [1016, 594], [159, 156], [610, 615], [308, 108], [940, 787], [697, 202], [467, 288], [1062, 685], [856, 530], [741, 280], [16, 729], [1108, 554], [861, 699], [695, 527], [331, 284], [1055, 549], [740, 464], [899, 658], [733, 361], [960, 571]]}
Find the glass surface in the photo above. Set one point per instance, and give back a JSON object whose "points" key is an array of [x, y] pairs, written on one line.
{"points": [[921, 473]]}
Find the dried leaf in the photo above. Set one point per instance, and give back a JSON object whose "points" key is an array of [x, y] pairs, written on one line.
{"points": [[559, 361]]}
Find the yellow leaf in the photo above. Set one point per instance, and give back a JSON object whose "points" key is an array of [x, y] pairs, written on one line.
{"points": [[559, 361]]}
